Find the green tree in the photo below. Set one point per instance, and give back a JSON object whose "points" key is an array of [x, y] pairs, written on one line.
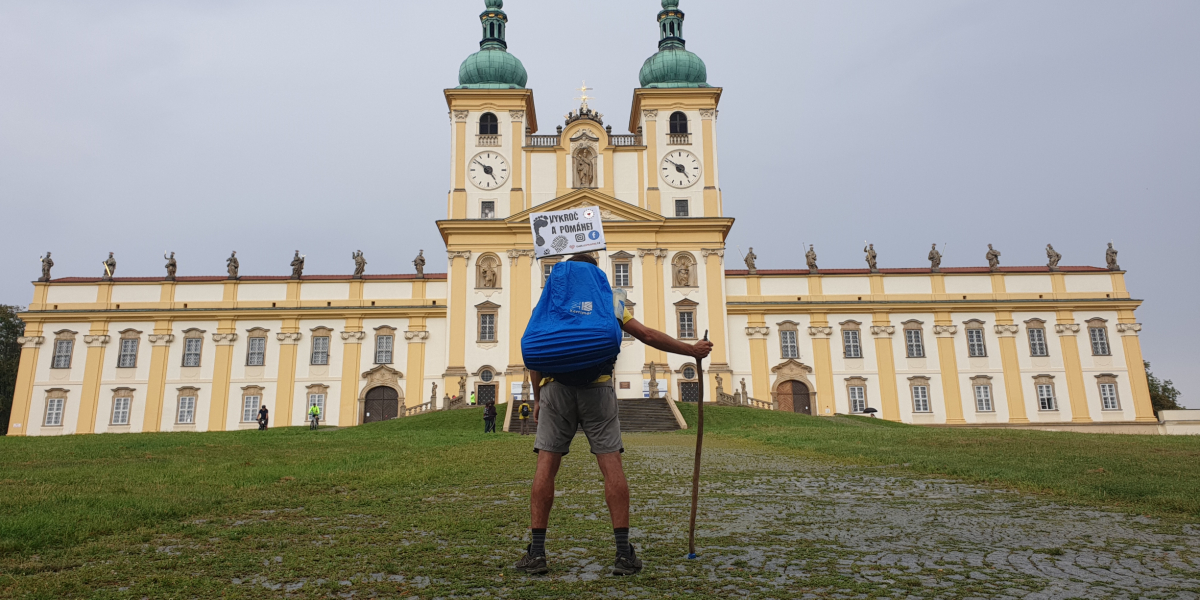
{"points": [[1163, 395], [11, 328]]}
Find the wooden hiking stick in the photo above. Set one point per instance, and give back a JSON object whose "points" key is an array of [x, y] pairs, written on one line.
{"points": [[699, 449]]}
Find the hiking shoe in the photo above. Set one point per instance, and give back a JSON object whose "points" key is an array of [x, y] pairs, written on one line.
{"points": [[535, 565], [627, 564]]}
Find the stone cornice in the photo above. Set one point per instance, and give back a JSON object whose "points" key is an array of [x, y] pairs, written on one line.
{"points": [[1007, 330], [225, 339], [1067, 328], [945, 330], [354, 337], [416, 337], [289, 338], [820, 332], [32, 341], [1129, 329], [96, 340], [883, 330], [758, 332], [161, 339]]}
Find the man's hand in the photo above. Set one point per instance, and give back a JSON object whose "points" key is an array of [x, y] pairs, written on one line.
{"points": [[701, 349], [536, 407]]}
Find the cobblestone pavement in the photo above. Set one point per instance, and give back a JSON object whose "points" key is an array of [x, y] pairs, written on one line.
{"points": [[782, 526]]}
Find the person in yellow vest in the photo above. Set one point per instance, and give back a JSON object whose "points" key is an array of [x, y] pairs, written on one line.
{"points": [[523, 413], [314, 415]]}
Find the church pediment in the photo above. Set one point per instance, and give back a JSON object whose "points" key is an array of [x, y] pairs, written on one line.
{"points": [[611, 209]]}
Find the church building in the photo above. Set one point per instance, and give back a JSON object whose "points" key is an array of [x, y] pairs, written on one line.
{"points": [[966, 346]]}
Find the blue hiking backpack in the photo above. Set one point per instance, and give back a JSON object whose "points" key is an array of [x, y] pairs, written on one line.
{"points": [[573, 334]]}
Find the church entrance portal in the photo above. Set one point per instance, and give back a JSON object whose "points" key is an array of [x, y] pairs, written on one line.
{"points": [[794, 394], [382, 403], [487, 393]]}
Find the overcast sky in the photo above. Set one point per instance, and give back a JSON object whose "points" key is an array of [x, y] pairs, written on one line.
{"points": [[269, 126]]}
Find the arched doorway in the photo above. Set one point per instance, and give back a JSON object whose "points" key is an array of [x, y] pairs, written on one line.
{"points": [[796, 395], [382, 403]]}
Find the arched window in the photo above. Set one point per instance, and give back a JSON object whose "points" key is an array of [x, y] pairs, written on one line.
{"points": [[679, 123], [488, 124]]}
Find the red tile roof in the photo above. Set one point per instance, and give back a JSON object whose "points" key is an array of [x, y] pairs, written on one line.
{"points": [[917, 271], [215, 278]]}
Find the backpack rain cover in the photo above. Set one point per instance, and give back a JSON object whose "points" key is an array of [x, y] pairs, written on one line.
{"points": [[573, 325]]}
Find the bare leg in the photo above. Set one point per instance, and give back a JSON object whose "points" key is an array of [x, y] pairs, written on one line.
{"points": [[541, 499], [616, 488]]}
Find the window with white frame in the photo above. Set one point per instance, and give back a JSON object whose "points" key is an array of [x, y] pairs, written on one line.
{"points": [[487, 327], [1045, 394], [629, 306], [191, 351], [120, 409], [547, 267], [983, 398], [256, 351], [250, 406], [858, 398], [687, 324], [789, 346], [383, 349], [1037, 341], [975, 345], [681, 208], [621, 274], [54, 411], [320, 350], [920, 397], [1099, 336], [62, 354], [187, 410], [913, 343], [128, 356], [317, 400], [851, 343], [1108, 392], [487, 209]]}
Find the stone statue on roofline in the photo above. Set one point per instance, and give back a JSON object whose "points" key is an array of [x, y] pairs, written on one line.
{"points": [[47, 264], [171, 266], [872, 258], [993, 258], [1110, 256], [751, 259], [1054, 257], [419, 263], [935, 260], [231, 265], [811, 258], [360, 264], [297, 266], [110, 267]]}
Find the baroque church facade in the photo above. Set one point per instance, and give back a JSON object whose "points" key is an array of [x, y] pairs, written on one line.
{"points": [[968, 346]]}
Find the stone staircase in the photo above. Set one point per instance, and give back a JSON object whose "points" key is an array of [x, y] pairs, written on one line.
{"points": [[637, 416]]}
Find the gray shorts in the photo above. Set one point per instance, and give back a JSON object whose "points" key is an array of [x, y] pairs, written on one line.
{"points": [[565, 409]]}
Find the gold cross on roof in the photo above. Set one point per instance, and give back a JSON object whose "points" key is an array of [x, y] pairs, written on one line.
{"points": [[583, 97]]}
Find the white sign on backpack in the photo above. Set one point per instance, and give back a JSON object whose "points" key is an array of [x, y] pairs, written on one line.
{"points": [[563, 232]]}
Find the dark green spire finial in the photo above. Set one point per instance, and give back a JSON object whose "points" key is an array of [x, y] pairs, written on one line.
{"points": [[670, 26], [673, 66], [492, 67], [494, 21]]}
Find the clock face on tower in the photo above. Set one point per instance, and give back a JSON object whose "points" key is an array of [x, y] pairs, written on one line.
{"points": [[488, 170], [681, 169]]}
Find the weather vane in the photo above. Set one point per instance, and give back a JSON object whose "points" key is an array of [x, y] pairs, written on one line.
{"points": [[583, 96]]}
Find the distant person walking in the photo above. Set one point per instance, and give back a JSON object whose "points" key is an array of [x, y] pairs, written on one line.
{"points": [[472, 398], [314, 416], [263, 417], [489, 417], [523, 413]]}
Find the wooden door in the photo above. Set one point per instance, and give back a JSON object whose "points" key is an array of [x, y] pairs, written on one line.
{"points": [[382, 403], [794, 396], [487, 393]]}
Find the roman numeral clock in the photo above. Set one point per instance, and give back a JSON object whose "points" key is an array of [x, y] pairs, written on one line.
{"points": [[488, 170], [681, 169]]}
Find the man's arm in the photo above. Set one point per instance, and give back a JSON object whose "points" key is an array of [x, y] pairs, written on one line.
{"points": [[664, 342], [535, 378]]}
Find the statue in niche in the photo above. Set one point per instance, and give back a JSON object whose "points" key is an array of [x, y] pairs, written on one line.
{"points": [[751, 258], [935, 260], [231, 265], [993, 258], [1054, 257], [488, 273], [360, 265], [1110, 256], [653, 381], [419, 263], [47, 264], [811, 258], [872, 258], [585, 168], [433, 394], [297, 266], [171, 266], [110, 267], [683, 274]]}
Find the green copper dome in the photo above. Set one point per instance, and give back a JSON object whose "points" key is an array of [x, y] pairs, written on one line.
{"points": [[673, 66], [492, 67]]}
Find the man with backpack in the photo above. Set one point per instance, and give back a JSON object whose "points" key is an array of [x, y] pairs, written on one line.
{"points": [[573, 326], [524, 412]]}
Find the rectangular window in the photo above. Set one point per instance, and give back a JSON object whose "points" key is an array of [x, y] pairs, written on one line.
{"points": [[256, 351], [191, 351], [62, 354], [912, 339], [250, 409], [383, 349], [858, 398], [1037, 342], [920, 398], [54, 411], [187, 410], [687, 324], [120, 414], [487, 209], [487, 327], [1046, 397], [1099, 341], [128, 356], [681, 208], [983, 398], [547, 267], [317, 400], [621, 274], [1108, 396], [320, 350], [788, 347], [625, 337], [851, 344], [975, 346]]}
